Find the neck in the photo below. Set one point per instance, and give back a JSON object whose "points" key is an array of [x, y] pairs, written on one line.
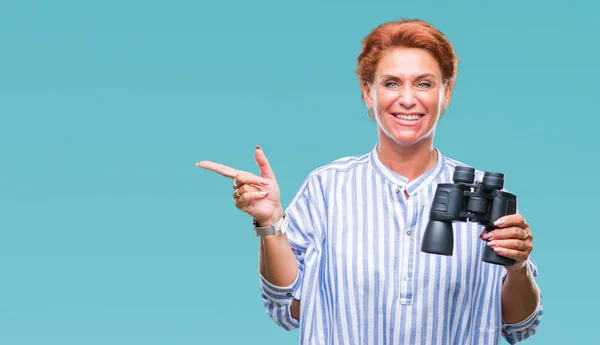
{"points": [[407, 161]]}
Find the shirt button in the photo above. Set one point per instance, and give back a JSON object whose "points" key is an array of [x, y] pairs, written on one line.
{"points": [[397, 190], [289, 294], [408, 232]]}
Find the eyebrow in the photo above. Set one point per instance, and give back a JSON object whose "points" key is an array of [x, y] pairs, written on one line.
{"points": [[420, 76]]}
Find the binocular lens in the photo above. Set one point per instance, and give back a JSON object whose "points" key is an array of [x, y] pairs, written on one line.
{"points": [[464, 175], [493, 180]]}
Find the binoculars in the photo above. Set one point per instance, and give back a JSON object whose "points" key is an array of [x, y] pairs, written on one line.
{"points": [[483, 202]]}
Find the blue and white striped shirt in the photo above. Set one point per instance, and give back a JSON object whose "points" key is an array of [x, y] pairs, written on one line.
{"points": [[362, 278]]}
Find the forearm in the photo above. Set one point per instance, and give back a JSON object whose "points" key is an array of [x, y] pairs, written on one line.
{"points": [[520, 295], [278, 264]]}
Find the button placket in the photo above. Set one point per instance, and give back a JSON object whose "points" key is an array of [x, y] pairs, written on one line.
{"points": [[407, 279]]}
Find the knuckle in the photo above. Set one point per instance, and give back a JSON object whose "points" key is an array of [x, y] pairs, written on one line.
{"points": [[517, 231], [246, 189]]}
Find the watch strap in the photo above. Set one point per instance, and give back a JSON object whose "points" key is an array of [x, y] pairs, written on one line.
{"points": [[280, 225]]}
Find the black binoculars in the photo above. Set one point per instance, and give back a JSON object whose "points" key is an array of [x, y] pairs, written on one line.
{"points": [[483, 202]]}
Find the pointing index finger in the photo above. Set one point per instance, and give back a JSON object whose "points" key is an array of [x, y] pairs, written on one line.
{"points": [[218, 168]]}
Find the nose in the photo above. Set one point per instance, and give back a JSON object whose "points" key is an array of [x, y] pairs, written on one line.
{"points": [[407, 97]]}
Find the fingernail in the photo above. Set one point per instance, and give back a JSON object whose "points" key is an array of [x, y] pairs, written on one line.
{"points": [[258, 147], [264, 182], [499, 222], [488, 236], [264, 193], [491, 243]]}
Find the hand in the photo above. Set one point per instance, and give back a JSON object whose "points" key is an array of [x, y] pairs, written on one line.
{"points": [[511, 239], [257, 196]]}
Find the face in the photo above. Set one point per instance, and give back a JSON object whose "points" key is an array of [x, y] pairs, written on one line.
{"points": [[406, 96]]}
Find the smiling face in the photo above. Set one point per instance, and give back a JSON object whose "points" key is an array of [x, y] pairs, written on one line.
{"points": [[407, 95]]}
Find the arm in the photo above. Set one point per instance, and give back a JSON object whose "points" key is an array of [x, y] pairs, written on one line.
{"points": [[522, 306], [521, 296], [283, 256], [278, 266]]}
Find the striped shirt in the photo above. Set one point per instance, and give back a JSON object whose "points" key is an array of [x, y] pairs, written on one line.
{"points": [[362, 278]]}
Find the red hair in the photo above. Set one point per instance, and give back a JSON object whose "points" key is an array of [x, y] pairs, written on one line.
{"points": [[412, 33]]}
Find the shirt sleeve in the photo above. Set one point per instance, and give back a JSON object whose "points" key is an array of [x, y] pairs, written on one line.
{"points": [[305, 218], [514, 333]]}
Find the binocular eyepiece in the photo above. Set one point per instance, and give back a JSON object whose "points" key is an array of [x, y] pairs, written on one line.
{"points": [[465, 200]]}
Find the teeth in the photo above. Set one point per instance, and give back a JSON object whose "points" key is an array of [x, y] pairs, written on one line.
{"points": [[408, 117]]}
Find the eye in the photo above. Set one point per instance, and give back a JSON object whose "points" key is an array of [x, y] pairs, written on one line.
{"points": [[390, 84], [425, 84]]}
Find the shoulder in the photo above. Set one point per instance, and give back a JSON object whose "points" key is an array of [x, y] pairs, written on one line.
{"points": [[340, 165], [322, 176]]}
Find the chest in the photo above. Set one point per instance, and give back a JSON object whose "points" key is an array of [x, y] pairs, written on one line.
{"points": [[375, 247]]}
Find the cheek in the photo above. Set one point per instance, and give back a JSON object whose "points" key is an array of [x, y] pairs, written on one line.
{"points": [[429, 100], [386, 99]]}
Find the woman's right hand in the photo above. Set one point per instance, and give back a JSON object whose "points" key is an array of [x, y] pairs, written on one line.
{"points": [[257, 196]]}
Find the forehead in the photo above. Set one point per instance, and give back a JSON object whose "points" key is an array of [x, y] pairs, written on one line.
{"points": [[407, 63]]}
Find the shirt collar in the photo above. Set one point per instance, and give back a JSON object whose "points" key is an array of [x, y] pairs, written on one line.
{"points": [[402, 182]]}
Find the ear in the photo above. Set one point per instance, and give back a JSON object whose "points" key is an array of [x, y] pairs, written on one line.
{"points": [[366, 94], [447, 95]]}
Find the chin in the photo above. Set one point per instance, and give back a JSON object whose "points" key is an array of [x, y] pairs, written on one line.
{"points": [[407, 142], [407, 138]]}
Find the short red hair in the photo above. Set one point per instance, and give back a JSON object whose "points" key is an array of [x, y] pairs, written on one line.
{"points": [[412, 33]]}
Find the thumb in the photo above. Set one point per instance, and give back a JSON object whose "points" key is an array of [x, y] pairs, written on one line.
{"points": [[263, 163]]}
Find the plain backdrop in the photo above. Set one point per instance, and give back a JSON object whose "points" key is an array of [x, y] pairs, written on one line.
{"points": [[109, 234]]}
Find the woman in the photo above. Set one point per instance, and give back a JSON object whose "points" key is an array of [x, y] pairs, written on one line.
{"points": [[343, 262]]}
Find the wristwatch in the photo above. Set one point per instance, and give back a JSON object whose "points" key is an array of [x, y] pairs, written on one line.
{"points": [[280, 225]]}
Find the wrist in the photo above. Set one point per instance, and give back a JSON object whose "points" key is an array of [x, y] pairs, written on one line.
{"points": [[274, 218], [276, 226], [520, 272]]}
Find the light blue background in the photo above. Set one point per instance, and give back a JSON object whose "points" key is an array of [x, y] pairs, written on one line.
{"points": [[110, 235]]}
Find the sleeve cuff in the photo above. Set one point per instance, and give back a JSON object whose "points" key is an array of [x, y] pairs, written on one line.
{"points": [[526, 323], [282, 294]]}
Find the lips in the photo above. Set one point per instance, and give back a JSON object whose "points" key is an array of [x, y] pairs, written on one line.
{"points": [[408, 119]]}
